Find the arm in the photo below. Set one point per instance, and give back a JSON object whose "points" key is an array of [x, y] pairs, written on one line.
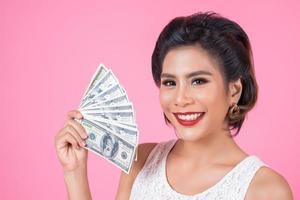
{"points": [[268, 184], [127, 180], [77, 184]]}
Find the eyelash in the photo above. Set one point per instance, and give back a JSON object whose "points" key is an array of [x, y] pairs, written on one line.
{"points": [[166, 82]]}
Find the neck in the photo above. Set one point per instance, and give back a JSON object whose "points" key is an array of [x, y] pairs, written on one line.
{"points": [[215, 148]]}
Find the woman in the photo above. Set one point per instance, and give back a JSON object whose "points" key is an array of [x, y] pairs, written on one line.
{"points": [[202, 65]]}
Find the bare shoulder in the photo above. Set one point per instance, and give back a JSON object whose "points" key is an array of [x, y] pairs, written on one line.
{"points": [[126, 180], [268, 184]]}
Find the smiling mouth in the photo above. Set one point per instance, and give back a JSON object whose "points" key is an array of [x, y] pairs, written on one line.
{"points": [[189, 118]]}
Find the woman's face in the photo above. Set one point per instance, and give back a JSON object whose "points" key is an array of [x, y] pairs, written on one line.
{"points": [[192, 93]]}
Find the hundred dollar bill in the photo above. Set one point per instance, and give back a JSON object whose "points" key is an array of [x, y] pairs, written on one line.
{"points": [[111, 92], [107, 81], [125, 117], [128, 133], [98, 75], [122, 107], [109, 146], [118, 100]]}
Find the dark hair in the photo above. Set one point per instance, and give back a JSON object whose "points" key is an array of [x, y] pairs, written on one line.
{"points": [[224, 40]]}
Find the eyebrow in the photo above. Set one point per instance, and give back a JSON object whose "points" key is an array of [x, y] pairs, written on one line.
{"points": [[200, 72]]}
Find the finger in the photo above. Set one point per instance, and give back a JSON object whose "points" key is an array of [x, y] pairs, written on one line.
{"points": [[72, 140], [74, 114], [78, 127], [67, 139], [70, 129]]}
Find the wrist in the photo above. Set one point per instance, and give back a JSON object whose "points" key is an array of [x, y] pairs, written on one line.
{"points": [[79, 171], [77, 184]]}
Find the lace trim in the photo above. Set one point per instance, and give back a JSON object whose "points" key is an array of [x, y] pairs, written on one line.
{"points": [[151, 182]]}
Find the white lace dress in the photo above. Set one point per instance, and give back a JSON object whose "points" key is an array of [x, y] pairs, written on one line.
{"points": [[151, 182]]}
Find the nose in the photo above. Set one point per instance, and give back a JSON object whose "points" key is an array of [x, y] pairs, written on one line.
{"points": [[183, 97]]}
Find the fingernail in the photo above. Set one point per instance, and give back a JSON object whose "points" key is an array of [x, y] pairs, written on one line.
{"points": [[83, 143], [85, 134]]}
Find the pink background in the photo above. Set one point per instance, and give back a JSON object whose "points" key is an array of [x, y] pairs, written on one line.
{"points": [[50, 50]]}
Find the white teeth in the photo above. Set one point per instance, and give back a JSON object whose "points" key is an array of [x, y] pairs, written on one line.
{"points": [[189, 117]]}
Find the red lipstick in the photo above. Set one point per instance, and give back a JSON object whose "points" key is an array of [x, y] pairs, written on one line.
{"points": [[188, 118]]}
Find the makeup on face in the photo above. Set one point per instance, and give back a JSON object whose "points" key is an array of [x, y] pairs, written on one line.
{"points": [[191, 92], [188, 118]]}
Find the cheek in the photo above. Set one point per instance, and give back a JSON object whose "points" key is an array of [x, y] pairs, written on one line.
{"points": [[165, 99], [209, 95], [214, 100], [205, 96]]}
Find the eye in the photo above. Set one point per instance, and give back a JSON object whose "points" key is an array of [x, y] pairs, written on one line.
{"points": [[168, 83], [199, 81]]}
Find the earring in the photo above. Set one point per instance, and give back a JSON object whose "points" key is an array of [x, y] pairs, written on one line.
{"points": [[234, 110]]}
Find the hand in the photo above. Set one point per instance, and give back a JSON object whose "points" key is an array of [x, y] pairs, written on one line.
{"points": [[69, 143]]}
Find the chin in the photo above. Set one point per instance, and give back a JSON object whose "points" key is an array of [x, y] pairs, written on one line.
{"points": [[188, 134]]}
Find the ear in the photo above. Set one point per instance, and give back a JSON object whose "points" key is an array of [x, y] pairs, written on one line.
{"points": [[235, 91]]}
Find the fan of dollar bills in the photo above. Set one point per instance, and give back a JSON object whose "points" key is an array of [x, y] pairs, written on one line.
{"points": [[109, 120]]}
